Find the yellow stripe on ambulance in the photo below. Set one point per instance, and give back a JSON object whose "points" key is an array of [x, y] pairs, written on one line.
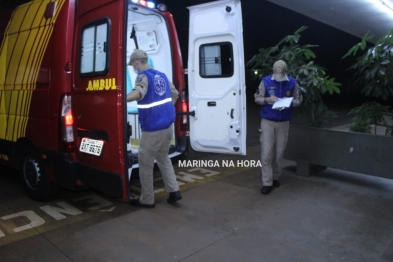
{"points": [[28, 29]]}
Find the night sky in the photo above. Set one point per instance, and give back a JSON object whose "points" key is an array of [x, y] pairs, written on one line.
{"points": [[264, 24]]}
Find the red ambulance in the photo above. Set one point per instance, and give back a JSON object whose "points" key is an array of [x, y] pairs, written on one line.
{"points": [[64, 119]]}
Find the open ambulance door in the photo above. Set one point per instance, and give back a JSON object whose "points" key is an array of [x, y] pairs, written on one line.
{"points": [[97, 97], [216, 78]]}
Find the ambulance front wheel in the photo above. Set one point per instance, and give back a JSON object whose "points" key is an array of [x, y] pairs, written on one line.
{"points": [[34, 178]]}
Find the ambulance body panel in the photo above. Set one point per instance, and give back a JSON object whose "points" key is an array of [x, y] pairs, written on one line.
{"points": [[64, 119]]}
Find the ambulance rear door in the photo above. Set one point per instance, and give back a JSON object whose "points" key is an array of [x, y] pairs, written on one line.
{"points": [[97, 96], [216, 78]]}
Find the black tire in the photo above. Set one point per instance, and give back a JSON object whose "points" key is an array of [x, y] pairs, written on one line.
{"points": [[34, 177]]}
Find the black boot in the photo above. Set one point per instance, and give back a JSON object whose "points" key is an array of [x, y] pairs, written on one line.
{"points": [[136, 203], [173, 197], [266, 190]]}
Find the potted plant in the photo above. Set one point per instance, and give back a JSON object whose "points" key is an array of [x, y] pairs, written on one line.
{"points": [[371, 118], [374, 71]]}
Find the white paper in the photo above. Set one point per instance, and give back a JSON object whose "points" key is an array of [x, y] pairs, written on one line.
{"points": [[283, 103]]}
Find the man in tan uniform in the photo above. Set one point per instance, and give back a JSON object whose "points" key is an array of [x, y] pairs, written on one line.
{"points": [[275, 122], [156, 97]]}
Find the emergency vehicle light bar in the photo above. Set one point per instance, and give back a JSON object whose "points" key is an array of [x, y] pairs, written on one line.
{"points": [[144, 3]]}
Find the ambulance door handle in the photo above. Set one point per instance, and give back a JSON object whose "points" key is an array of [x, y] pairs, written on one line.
{"points": [[211, 103], [68, 67], [232, 110], [192, 113]]}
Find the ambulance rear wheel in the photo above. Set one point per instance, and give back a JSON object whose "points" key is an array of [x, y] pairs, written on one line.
{"points": [[34, 178]]}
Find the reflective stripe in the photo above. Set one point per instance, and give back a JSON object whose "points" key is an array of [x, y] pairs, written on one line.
{"points": [[156, 103]]}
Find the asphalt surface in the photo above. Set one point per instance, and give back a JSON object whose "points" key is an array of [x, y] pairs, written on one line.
{"points": [[334, 215]]}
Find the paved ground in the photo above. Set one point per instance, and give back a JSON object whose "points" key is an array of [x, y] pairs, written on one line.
{"points": [[332, 216]]}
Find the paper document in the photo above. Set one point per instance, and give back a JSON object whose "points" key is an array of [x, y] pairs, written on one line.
{"points": [[283, 103]]}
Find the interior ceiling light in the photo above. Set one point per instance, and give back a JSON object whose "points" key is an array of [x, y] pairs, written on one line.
{"points": [[385, 5], [388, 3]]}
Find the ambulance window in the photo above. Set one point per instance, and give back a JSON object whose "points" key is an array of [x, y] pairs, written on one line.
{"points": [[94, 55], [216, 60]]}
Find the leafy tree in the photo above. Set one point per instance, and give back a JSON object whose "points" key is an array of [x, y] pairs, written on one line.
{"points": [[312, 79], [374, 67]]}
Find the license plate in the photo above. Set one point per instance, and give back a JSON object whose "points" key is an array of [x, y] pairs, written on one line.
{"points": [[91, 146]]}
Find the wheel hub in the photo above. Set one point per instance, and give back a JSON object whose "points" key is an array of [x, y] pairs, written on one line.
{"points": [[32, 173]]}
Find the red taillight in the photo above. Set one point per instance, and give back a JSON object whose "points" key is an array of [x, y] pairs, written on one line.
{"points": [[184, 109], [67, 120]]}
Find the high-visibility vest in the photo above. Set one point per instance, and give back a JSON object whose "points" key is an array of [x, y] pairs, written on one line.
{"points": [[156, 111], [280, 90]]}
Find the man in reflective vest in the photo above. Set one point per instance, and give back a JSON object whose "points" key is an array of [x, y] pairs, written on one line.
{"points": [[275, 122], [156, 97]]}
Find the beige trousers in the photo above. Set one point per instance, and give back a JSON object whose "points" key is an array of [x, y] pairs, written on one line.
{"points": [[155, 145], [273, 138]]}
